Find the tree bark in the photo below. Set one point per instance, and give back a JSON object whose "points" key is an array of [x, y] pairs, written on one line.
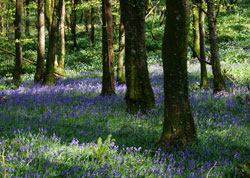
{"points": [[196, 34], [18, 31], [86, 19], [73, 24], [92, 37], [53, 42], [204, 79], [120, 67], [219, 83], [41, 43], [62, 34], [27, 20], [178, 127], [108, 83], [139, 95]]}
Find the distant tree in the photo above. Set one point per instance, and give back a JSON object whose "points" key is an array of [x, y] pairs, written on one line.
{"points": [[108, 83], [204, 79], [120, 72], [27, 20], [196, 34], [219, 82], [53, 14], [139, 95], [41, 43], [18, 30], [73, 23], [178, 127], [86, 19], [92, 35]]}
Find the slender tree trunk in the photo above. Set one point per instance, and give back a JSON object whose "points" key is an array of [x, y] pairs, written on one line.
{"points": [[18, 30], [219, 83], [53, 43], [1, 18], [62, 34], [27, 20], [139, 95], [108, 83], [178, 127], [120, 72], [204, 79], [41, 43], [86, 19], [73, 23], [196, 34], [92, 37]]}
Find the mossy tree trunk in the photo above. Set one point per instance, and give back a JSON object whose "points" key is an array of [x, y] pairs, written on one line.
{"points": [[53, 43], [18, 31], [27, 20], [120, 72], [196, 34], [60, 67], [178, 128], [108, 83], [204, 79], [139, 95], [41, 43], [219, 83]]}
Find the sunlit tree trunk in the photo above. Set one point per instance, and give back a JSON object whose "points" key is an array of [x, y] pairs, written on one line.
{"points": [[53, 43], [204, 79], [219, 83], [196, 34], [41, 43], [108, 83], [120, 72], [18, 30], [178, 127], [62, 35], [139, 95]]}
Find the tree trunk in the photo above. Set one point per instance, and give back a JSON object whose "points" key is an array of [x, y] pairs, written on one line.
{"points": [[108, 83], [2, 18], [204, 79], [139, 95], [219, 83], [41, 43], [92, 37], [27, 20], [86, 19], [120, 72], [196, 34], [53, 42], [62, 34], [178, 128], [73, 24], [18, 30]]}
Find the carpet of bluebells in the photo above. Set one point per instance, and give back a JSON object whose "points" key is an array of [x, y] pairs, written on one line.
{"points": [[52, 131]]}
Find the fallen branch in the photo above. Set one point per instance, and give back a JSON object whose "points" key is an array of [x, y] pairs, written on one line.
{"points": [[27, 60], [211, 169], [152, 9], [228, 77], [192, 48]]}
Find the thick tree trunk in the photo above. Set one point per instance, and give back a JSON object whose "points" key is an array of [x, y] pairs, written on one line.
{"points": [[219, 83], [41, 43], [204, 79], [120, 72], [178, 128], [108, 83], [73, 24], [92, 37], [62, 34], [196, 34], [53, 42], [18, 30], [27, 20], [139, 95]]}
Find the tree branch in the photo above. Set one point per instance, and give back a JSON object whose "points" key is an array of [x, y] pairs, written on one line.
{"points": [[192, 48], [201, 8], [152, 9]]}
